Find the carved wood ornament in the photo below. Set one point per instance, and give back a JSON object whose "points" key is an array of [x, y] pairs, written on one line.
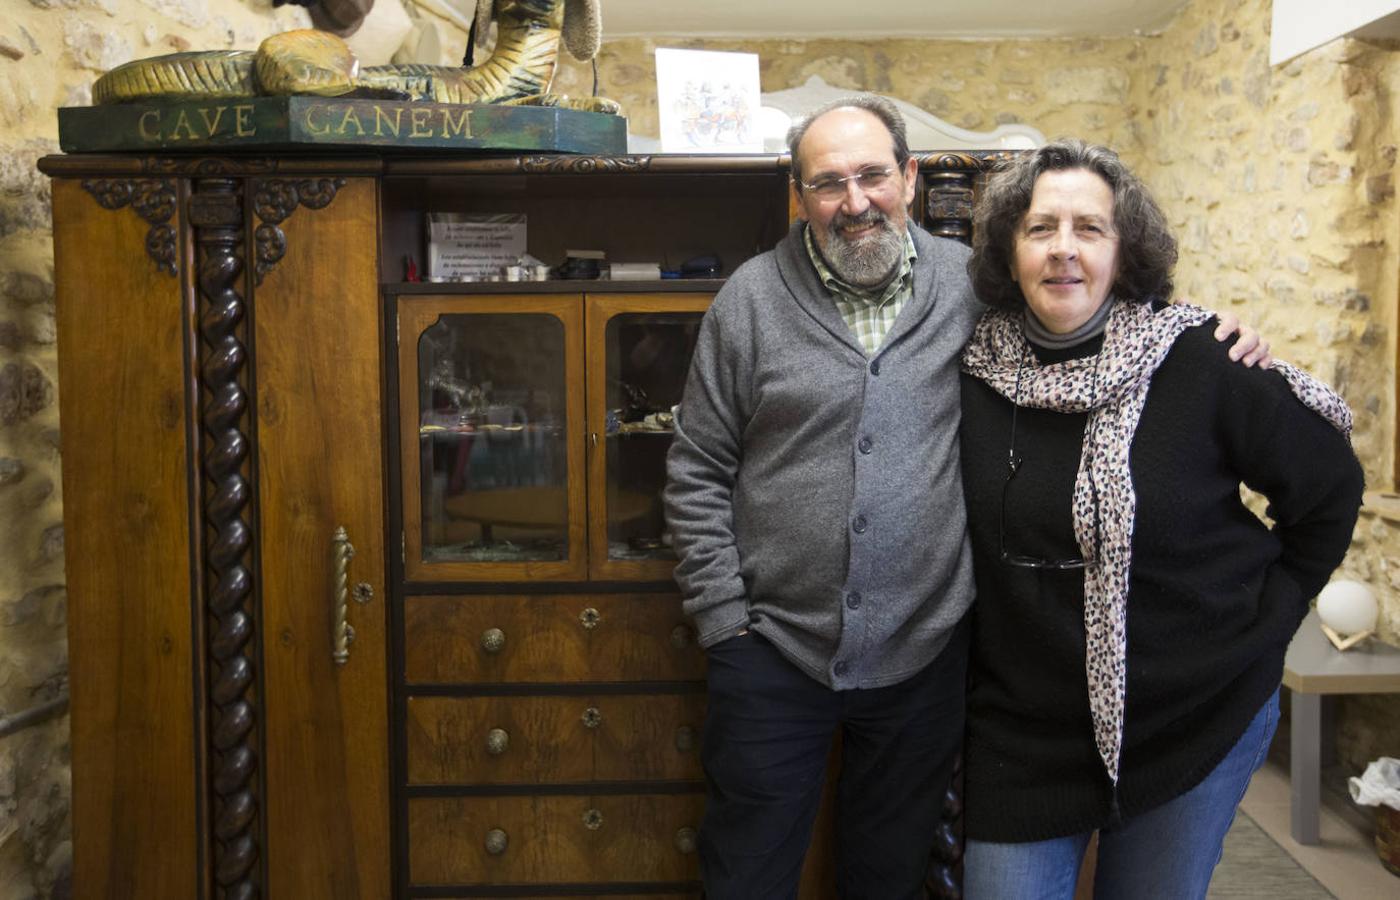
{"points": [[153, 199], [276, 199], [583, 165]]}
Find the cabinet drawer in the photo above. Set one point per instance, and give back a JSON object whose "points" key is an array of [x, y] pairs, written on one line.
{"points": [[528, 740], [553, 840], [548, 638]]}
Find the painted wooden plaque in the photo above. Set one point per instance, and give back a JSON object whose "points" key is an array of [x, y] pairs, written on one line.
{"points": [[267, 123]]}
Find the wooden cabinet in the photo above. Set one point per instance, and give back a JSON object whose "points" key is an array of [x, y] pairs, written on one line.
{"points": [[369, 585], [547, 739]]}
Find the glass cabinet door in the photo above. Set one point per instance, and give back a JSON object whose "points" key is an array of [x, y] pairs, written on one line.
{"points": [[492, 469], [639, 349]]}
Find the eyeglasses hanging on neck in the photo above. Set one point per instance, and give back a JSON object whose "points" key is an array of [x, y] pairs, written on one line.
{"points": [[1013, 465]]}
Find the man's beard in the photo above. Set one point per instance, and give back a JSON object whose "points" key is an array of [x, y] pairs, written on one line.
{"points": [[864, 262]]}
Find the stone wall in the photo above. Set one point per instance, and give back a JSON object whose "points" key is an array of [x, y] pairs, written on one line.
{"points": [[1280, 183], [1062, 87]]}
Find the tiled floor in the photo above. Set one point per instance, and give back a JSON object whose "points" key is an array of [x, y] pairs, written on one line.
{"points": [[1344, 861]]}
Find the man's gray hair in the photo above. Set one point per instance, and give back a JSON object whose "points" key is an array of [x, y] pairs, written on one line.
{"points": [[874, 104]]}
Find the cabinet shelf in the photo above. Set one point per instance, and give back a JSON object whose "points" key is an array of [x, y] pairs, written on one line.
{"points": [[487, 429], [558, 286]]}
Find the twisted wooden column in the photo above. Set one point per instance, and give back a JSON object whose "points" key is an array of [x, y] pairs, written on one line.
{"points": [[216, 212], [945, 872]]}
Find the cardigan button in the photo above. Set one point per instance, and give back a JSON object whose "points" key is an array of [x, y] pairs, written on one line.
{"points": [[865, 444], [842, 668], [875, 367], [858, 524], [853, 600]]}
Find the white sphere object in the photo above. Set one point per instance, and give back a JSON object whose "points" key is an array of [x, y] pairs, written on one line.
{"points": [[1347, 607]]}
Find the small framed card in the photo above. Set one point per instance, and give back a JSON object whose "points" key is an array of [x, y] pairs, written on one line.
{"points": [[708, 101]]}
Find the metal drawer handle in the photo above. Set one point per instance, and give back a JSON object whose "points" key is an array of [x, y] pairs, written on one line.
{"points": [[496, 842], [681, 637], [686, 840], [592, 717], [592, 819], [497, 740], [590, 618], [685, 739], [492, 640]]}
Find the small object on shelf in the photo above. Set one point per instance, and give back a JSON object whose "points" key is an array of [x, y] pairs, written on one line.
{"points": [[652, 423], [410, 269], [581, 264], [638, 542], [1348, 611], [701, 267], [634, 271]]}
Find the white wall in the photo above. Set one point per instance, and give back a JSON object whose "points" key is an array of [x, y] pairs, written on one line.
{"points": [[1301, 25]]}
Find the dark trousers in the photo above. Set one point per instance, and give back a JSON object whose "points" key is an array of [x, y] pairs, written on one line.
{"points": [[768, 731]]}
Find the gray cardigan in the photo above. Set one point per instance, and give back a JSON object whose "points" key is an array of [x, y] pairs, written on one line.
{"points": [[814, 493]]}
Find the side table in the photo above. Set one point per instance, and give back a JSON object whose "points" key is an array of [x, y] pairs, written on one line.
{"points": [[1313, 668]]}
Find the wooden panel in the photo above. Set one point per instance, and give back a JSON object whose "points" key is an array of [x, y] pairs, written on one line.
{"points": [[554, 739], [320, 464], [417, 314], [548, 840], [636, 637], [126, 513], [600, 308]]}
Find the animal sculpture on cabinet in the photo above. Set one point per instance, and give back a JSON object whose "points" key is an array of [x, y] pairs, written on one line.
{"points": [[518, 71]]}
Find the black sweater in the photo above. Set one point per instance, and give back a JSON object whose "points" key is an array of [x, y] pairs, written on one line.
{"points": [[1214, 594]]}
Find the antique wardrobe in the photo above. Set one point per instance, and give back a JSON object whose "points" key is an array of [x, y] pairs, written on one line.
{"points": [[369, 591]]}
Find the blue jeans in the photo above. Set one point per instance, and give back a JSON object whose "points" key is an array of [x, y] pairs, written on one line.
{"points": [[1166, 853]]}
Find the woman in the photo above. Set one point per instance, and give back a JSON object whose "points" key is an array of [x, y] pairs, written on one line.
{"points": [[1132, 614]]}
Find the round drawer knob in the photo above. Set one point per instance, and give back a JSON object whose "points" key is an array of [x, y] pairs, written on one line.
{"points": [[497, 740], [685, 739], [686, 840], [681, 637], [592, 717], [492, 640], [592, 819], [590, 618], [496, 842]]}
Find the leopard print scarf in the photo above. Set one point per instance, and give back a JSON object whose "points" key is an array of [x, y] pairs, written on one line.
{"points": [[1112, 388]]}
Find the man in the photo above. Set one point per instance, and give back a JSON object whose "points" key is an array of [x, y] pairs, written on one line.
{"points": [[816, 505]]}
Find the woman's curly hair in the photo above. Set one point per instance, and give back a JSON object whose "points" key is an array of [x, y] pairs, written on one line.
{"points": [[1146, 248]]}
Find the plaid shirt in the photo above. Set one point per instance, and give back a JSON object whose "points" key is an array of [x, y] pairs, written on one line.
{"points": [[870, 314]]}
